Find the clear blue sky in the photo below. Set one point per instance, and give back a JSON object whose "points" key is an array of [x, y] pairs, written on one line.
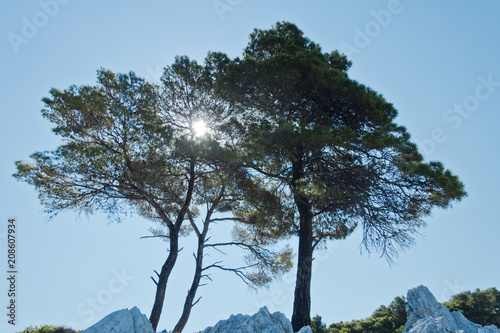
{"points": [[437, 62]]}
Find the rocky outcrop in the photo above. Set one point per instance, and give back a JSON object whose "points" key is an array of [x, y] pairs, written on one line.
{"points": [[122, 321], [305, 329], [427, 315], [261, 322]]}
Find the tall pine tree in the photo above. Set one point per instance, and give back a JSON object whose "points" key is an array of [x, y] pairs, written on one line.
{"points": [[329, 148]]}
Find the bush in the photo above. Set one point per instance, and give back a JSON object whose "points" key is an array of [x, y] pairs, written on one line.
{"points": [[386, 319], [480, 307], [48, 329]]}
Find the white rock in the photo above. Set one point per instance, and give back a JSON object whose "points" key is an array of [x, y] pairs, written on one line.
{"points": [[141, 322], [122, 321], [305, 329], [427, 315], [261, 322]]}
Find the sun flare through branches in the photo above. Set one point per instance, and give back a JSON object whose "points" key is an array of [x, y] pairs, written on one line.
{"points": [[200, 128]]}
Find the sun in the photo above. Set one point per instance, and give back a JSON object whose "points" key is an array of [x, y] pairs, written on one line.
{"points": [[200, 128]]}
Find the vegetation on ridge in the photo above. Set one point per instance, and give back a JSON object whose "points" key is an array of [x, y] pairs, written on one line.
{"points": [[48, 329], [480, 307]]}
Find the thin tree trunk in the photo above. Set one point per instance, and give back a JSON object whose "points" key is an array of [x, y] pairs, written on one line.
{"points": [[302, 301], [166, 269], [189, 302]]}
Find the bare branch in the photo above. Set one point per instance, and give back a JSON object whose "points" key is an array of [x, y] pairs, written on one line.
{"points": [[156, 236], [196, 302], [236, 219], [239, 271]]}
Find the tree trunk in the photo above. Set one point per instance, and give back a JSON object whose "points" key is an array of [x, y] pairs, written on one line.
{"points": [[163, 278], [302, 301], [202, 237], [189, 302], [167, 267]]}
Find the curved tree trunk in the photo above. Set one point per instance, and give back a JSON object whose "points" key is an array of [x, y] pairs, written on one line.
{"points": [[166, 269], [189, 302]]}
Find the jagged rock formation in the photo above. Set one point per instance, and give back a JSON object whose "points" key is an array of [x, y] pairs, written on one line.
{"points": [[122, 321], [261, 322], [427, 315]]}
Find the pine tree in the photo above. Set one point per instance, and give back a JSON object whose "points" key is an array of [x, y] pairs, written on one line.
{"points": [[133, 146], [329, 148]]}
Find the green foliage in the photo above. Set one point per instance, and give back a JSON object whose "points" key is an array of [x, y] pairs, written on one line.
{"points": [[114, 142], [390, 319], [129, 145], [480, 307], [48, 329], [318, 326], [319, 139]]}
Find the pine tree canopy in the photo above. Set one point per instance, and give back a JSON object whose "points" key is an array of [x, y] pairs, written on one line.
{"points": [[321, 137]]}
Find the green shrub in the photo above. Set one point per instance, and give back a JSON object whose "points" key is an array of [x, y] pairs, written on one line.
{"points": [[48, 329], [386, 319], [480, 307]]}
